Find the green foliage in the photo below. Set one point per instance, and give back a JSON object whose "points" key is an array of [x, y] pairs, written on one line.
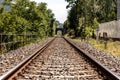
{"points": [[96, 23], [88, 31], [1, 9], [86, 14], [23, 23], [26, 17], [12, 24]]}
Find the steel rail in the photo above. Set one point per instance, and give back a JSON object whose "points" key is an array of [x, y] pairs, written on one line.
{"points": [[14, 71], [103, 70]]}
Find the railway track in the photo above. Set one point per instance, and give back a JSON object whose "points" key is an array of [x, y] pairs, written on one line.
{"points": [[59, 60]]}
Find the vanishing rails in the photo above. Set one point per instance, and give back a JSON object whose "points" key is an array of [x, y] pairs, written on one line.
{"points": [[58, 60]]}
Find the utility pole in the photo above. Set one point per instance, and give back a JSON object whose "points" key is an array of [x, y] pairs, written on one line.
{"points": [[85, 15], [77, 19], [118, 18], [118, 9]]}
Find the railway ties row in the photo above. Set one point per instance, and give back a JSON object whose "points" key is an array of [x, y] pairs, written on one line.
{"points": [[59, 61]]}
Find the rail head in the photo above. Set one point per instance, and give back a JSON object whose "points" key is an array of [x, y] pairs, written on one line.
{"points": [[108, 73], [9, 74]]}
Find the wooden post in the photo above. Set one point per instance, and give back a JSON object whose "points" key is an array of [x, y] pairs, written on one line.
{"points": [[0, 43], [105, 40], [97, 34]]}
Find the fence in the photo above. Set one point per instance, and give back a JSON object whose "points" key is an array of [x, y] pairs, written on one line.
{"points": [[10, 42]]}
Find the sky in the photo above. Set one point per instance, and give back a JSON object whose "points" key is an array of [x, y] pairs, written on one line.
{"points": [[58, 7]]}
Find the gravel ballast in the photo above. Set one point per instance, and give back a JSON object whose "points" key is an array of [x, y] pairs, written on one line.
{"points": [[12, 58], [107, 59]]}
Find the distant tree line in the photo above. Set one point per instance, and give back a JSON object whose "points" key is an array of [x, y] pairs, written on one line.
{"points": [[85, 15]]}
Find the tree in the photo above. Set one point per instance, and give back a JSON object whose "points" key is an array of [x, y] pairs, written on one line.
{"points": [[86, 13], [26, 16]]}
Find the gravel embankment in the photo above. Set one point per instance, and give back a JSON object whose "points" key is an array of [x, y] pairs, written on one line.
{"points": [[108, 60], [12, 58]]}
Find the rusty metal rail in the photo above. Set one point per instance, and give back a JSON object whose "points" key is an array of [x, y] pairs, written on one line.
{"points": [[103, 70], [14, 71]]}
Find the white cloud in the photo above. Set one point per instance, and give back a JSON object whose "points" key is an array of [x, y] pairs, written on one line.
{"points": [[58, 7]]}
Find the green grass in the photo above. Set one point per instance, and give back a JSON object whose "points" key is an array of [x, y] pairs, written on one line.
{"points": [[113, 47]]}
